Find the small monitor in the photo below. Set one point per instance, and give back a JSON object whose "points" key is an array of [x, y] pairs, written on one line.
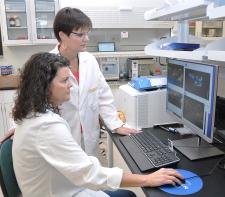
{"points": [[191, 99], [106, 46]]}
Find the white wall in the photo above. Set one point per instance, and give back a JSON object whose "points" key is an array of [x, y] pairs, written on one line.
{"points": [[17, 55]]}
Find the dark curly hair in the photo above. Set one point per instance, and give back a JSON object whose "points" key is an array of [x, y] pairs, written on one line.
{"points": [[36, 76], [68, 19]]}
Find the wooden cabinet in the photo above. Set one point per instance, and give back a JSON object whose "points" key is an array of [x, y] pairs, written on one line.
{"points": [[207, 29], [28, 21], [6, 105]]}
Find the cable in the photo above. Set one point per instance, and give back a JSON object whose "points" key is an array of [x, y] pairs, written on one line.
{"points": [[169, 129], [218, 164]]}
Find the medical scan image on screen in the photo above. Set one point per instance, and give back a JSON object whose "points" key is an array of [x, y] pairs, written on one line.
{"points": [[175, 98], [197, 82], [191, 100], [175, 75], [193, 111]]}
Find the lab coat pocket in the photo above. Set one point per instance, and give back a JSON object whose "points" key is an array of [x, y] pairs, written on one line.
{"points": [[93, 98]]}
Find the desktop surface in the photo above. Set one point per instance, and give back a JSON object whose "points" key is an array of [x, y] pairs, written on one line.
{"points": [[212, 184]]}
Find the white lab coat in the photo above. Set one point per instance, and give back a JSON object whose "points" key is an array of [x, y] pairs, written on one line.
{"points": [[48, 162], [91, 98]]}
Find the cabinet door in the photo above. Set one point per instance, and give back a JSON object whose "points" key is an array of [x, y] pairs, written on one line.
{"points": [[8, 114], [44, 14], [2, 121], [7, 105], [15, 22]]}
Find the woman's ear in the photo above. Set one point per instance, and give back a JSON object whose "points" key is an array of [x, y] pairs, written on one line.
{"points": [[62, 36]]}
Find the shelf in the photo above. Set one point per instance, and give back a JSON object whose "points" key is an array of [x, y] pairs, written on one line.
{"points": [[50, 27], [120, 54], [216, 55], [216, 50], [191, 9], [210, 38], [154, 49], [191, 55], [213, 51], [17, 27], [40, 11], [17, 11]]}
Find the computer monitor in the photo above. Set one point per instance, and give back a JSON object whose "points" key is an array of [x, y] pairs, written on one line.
{"points": [[191, 99], [106, 46]]}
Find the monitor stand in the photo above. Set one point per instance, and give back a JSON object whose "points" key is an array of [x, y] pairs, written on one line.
{"points": [[196, 148]]}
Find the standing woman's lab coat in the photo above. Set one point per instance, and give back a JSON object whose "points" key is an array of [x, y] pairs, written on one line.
{"points": [[91, 98]]}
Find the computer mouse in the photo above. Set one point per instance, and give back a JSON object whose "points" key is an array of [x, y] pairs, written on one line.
{"points": [[182, 181]]}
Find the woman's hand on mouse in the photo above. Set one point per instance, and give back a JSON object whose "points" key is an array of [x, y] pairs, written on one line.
{"points": [[164, 176]]}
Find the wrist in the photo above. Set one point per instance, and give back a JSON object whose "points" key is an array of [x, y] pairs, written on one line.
{"points": [[144, 181]]}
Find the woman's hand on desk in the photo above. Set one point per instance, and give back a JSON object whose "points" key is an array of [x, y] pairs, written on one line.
{"points": [[126, 131]]}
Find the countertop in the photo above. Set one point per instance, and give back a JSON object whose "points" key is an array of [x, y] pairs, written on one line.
{"points": [[9, 82]]}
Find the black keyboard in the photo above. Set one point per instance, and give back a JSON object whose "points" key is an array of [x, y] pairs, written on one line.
{"points": [[148, 151]]}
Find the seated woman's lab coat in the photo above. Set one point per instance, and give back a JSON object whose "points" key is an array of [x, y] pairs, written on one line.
{"points": [[49, 162]]}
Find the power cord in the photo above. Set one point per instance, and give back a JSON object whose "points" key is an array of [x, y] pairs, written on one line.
{"points": [[220, 164]]}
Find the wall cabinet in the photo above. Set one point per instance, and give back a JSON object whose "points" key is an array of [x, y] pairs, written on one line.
{"points": [[208, 30], [6, 105], [28, 21]]}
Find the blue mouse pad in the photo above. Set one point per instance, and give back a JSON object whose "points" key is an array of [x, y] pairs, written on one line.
{"points": [[193, 183]]}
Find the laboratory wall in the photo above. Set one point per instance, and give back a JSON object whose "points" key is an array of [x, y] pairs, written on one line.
{"points": [[137, 39]]}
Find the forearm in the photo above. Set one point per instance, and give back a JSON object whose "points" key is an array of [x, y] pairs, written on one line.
{"points": [[133, 180], [157, 178]]}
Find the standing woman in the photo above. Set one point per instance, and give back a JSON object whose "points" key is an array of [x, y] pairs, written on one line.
{"points": [[47, 161], [91, 96]]}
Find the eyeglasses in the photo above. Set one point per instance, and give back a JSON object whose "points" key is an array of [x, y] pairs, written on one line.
{"points": [[80, 35]]}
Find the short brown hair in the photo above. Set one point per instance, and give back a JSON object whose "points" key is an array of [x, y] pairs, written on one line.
{"points": [[68, 19]]}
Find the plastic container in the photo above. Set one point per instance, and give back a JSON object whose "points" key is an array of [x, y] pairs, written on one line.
{"points": [[6, 70]]}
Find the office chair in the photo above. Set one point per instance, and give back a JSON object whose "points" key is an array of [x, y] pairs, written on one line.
{"points": [[8, 180]]}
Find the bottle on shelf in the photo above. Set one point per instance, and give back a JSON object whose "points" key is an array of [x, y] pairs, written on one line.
{"points": [[12, 21], [17, 21]]}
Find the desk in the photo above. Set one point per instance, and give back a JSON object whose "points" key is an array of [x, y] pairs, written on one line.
{"points": [[213, 185]]}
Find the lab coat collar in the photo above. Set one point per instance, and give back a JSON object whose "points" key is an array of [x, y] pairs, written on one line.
{"points": [[83, 61]]}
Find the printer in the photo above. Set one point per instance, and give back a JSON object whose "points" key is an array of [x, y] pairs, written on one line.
{"points": [[143, 109]]}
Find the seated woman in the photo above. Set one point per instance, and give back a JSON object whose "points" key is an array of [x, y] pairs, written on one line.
{"points": [[46, 158]]}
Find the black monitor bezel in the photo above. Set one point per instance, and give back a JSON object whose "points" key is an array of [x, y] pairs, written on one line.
{"points": [[188, 124]]}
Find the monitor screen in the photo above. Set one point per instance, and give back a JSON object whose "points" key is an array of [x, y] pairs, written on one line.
{"points": [[106, 46], [191, 95]]}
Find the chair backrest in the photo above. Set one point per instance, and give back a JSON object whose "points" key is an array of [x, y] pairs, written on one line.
{"points": [[8, 180]]}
